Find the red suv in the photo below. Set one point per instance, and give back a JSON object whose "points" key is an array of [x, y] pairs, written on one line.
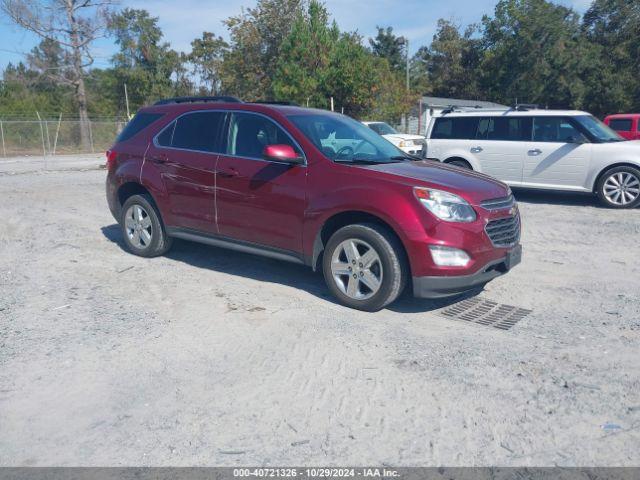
{"points": [[311, 187], [626, 124]]}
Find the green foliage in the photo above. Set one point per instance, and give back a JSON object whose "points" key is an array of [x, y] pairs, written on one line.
{"points": [[533, 51], [613, 77], [206, 56], [449, 60], [318, 62], [147, 65], [256, 39], [388, 45]]}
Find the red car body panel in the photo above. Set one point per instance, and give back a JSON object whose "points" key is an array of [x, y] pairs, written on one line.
{"points": [[634, 132], [285, 206]]}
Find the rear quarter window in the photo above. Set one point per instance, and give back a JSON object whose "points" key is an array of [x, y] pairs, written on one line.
{"points": [[137, 124]]}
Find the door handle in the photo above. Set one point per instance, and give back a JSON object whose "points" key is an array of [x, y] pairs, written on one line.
{"points": [[158, 158], [228, 173], [476, 149], [535, 152]]}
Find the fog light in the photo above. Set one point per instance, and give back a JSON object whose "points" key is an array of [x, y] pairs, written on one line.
{"points": [[449, 257]]}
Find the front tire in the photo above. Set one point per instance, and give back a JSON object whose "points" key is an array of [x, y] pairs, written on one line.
{"points": [[142, 228], [364, 267], [619, 187]]}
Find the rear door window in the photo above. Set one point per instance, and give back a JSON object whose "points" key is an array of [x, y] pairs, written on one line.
{"points": [[509, 129], [621, 124], [198, 131], [555, 130], [137, 124]]}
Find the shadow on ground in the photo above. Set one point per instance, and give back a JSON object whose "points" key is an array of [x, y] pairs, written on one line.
{"points": [[274, 271], [556, 198]]}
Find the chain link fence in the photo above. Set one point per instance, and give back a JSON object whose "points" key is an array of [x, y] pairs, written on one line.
{"points": [[55, 137]]}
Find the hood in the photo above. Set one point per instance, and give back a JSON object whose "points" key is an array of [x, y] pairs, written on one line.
{"points": [[474, 187], [631, 145], [396, 137]]}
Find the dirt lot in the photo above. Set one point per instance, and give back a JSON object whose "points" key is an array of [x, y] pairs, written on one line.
{"points": [[210, 357]]}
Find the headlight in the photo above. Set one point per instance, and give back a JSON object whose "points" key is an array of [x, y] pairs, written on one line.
{"points": [[444, 205], [403, 144]]}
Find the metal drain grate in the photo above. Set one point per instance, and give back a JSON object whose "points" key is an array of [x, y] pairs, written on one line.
{"points": [[486, 312]]}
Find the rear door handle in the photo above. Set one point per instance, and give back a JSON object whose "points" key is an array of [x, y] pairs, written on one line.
{"points": [[158, 158], [476, 149], [228, 173], [535, 152]]}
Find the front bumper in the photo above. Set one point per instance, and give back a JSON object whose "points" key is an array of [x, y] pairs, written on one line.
{"points": [[416, 150], [447, 286]]}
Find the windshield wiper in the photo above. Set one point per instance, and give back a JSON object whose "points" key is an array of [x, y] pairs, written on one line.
{"points": [[411, 158], [360, 161]]}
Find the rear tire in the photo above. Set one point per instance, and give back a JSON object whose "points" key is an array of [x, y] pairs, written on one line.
{"points": [[619, 187], [142, 228], [460, 163], [364, 267]]}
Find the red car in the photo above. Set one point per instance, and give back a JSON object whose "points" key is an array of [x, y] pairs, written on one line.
{"points": [[627, 125], [311, 187]]}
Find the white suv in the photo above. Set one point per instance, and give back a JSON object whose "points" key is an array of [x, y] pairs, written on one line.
{"points": [[411, 144], [547, 149]]}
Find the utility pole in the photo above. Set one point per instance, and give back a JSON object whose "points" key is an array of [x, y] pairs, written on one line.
{"points": [[406, 52], [126, 99], [406, 46]]}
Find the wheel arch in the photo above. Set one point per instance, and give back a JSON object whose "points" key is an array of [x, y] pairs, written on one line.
{"points": [[456, 157], [129, 189], [350, 217], [602, 172]]}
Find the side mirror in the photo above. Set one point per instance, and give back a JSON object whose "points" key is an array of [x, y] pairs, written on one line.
{"points": [[281, 153]]}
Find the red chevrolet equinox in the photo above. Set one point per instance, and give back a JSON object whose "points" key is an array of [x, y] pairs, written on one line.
{"points": [[311, 187]]}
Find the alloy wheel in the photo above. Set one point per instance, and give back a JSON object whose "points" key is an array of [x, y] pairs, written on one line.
{"points": [[138, 226], [622, 188], [356, 269]]}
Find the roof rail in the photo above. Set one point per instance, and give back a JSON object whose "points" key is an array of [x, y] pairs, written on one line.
{"points": [[524, 107], [455, 108], [219, 98], [276, 102]]}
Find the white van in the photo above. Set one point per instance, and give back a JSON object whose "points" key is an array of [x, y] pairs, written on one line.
{"points": [[546, 149]]}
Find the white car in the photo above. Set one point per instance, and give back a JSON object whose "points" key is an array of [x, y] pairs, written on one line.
{"points": [[546, 149], [411, 144]]}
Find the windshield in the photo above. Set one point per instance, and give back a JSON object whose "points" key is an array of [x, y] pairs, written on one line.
{"points": [[598, 130], [382, 128], [343, 139]]}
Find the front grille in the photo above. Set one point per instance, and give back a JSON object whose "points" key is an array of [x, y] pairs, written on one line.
{"points": [[504, 232], [498, 203]]}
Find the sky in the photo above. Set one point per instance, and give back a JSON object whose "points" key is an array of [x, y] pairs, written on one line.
{"points": [[183, 20]]}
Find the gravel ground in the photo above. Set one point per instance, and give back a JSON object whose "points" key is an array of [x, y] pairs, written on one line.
{"points": [[211, 357]]}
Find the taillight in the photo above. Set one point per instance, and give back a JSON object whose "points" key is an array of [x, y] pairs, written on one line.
{"points": [[112, 155]]}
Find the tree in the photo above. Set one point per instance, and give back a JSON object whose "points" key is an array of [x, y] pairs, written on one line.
{"points": [[452, 61], [419, 70], [256, 38], [387, 45], [206, 55], [534, 52], [318, 62], [147, 65], [301, 69], [74, 25], [612, 28]]}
